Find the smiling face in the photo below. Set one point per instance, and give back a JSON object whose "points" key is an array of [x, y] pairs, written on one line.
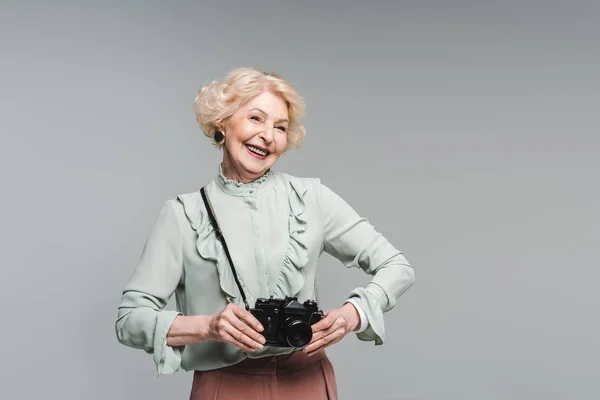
{"points": [[255, 137]]}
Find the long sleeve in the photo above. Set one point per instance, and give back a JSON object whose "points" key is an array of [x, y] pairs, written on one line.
{"points": [[355, 242], [142, 322]]}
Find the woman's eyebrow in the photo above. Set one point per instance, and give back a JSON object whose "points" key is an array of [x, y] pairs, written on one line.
{"points": [[265, 114]]}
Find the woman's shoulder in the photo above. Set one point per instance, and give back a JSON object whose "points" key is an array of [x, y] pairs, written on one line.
{"points": [[304, 190], [185, 208], [176, 210], [189, 205], [305, 182], [313, 191]]}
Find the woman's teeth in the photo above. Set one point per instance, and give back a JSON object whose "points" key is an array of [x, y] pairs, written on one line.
{"points": [[256, 150]]}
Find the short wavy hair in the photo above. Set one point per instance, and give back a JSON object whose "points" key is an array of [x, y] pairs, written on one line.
{"points": [[218, 101]]}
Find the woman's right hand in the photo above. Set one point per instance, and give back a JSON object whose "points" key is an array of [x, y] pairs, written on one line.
{"points": [[237, 326]]}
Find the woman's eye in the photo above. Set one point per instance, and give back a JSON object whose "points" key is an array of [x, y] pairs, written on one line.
{"points": [[282, 128], [255, 118]]}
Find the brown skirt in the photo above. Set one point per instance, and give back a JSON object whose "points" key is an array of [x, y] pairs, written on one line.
{"points": [[291, 377]]}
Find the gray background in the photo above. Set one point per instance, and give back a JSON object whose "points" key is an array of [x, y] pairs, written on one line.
{"points": [[467, 132]]}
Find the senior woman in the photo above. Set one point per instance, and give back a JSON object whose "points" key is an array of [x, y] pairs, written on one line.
{"points": [[275, 228]]}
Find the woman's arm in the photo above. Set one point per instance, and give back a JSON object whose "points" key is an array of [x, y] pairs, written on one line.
{"points": [[233, 325], [142, 322], [187, 330], [354, 241]]}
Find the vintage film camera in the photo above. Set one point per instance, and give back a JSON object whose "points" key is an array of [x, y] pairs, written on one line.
{"points": [[287, 322]]}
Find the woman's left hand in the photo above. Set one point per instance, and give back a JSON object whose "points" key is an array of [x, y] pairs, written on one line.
{"points": [[333, 327]]}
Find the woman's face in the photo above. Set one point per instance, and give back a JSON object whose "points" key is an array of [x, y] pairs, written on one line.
{"points": [[255, 137]]}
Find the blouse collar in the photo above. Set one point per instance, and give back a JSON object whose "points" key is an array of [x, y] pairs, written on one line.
{"points": [[236, 188]]}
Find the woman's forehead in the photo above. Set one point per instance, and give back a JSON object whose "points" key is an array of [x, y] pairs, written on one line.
{"points": [[269, 103]]}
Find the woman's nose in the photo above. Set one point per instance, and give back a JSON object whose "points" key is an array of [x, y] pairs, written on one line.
{"points": [[266, 135]]}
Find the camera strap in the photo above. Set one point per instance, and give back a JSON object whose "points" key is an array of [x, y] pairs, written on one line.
{"points": [[221, 238]]}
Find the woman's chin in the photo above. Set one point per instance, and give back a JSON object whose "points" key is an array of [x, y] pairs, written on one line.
{"points": [[258, 167], [255, 170]]}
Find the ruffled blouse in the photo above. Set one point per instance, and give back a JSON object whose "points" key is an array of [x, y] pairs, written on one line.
{"points": [[276, 228]]}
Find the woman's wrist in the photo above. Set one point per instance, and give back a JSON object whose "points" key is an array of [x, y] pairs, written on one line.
{"points": [[202, 327], [188, 330], [351, 316]]}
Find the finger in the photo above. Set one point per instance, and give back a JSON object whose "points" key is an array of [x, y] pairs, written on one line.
{"points": [[338, 324], [319, 334], [324, 323], [248, 318], [332, 323], [324, 342], [229, 338], [247, 330], [225, 329], [243, 338]]}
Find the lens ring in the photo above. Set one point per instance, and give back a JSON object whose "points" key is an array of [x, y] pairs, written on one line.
{"points": [[298, 333]]}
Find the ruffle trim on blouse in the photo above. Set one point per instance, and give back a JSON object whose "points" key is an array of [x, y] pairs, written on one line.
{"points": [[291, 277], [235, 184], [208, 245]]}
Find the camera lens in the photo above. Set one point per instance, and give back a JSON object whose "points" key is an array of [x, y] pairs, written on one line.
{"points": [[298, 333]]}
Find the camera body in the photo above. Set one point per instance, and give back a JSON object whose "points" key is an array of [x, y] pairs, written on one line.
{"points": [[287, 322]]}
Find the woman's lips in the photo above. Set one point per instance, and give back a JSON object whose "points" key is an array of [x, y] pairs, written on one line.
{"points": [[256, 155]]}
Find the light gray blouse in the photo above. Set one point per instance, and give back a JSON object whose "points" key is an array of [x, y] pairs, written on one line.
{"points": [[276, 228]]}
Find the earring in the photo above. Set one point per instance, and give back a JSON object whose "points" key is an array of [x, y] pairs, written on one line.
{"points": [[219, 137]]}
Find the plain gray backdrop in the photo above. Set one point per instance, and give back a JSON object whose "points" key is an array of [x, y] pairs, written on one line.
{"points": [[466, 132]]}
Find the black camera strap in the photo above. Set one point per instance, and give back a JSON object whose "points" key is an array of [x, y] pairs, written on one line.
{"points": [[221, 238]]}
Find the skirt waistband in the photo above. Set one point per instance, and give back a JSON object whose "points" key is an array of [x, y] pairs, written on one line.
{"points": [[274, 365]]}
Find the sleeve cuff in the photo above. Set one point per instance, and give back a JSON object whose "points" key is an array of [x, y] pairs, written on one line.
{"points": [[373, 301], [166, 358]]}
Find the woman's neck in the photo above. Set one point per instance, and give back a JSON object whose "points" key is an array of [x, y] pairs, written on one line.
{"points": [[235, 174]]}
